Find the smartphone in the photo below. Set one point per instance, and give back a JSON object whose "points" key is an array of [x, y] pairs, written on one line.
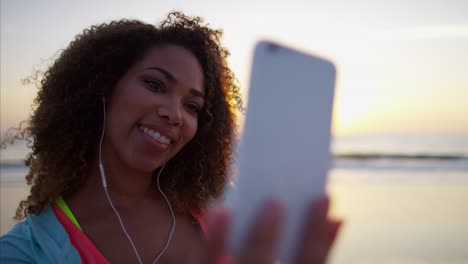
{"points": [[284, 150]]}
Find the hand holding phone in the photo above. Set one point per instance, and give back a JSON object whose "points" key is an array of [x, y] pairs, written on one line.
{"points": [[284, 151]]}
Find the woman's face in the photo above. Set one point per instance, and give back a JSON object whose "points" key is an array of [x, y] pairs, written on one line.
{"points": [[153, 110]]}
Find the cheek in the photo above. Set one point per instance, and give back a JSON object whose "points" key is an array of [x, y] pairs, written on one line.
{"points": [[121, 114], [191, 127]]}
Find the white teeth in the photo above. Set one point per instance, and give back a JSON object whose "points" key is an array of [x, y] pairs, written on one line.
{"points": [[156, 135]]}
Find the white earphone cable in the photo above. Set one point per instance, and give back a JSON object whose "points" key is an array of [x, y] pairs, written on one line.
{"points": [[173, 217], [104, 185]]}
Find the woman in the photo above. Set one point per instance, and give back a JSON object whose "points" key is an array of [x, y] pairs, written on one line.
{"points": [[132, 138]]}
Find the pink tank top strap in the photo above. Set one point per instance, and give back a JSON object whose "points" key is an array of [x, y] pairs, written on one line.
{"points": [[87, 250]]}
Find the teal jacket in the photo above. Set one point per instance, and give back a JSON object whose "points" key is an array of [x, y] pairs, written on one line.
{"points": [[39, 239]]}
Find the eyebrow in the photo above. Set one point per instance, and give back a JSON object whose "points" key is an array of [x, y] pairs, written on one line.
{"points": [[197, 93], [166, 74], [171, 78]]}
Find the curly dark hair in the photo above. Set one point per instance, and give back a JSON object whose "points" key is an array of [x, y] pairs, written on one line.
{"points": [[65, 126]]}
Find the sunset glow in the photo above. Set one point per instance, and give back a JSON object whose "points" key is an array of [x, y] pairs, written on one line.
{"points": [[397, 71]]}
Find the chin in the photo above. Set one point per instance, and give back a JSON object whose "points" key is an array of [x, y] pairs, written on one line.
{"points": [[147, 167]]}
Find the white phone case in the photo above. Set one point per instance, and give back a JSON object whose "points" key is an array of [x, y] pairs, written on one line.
{"points": [[284, 151]]}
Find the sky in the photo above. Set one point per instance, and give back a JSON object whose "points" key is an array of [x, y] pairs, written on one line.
{"points": [[401, 64]]}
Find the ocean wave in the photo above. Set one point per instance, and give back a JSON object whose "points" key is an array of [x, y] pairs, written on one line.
{"points": [[400, 156], [12, 164], [403, 165], [402, 161]]}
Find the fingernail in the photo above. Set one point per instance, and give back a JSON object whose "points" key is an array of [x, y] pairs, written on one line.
{"points": [[335, 225], [334, 228]]}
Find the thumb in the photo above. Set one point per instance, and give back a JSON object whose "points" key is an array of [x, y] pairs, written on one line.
{"points": [[217, 231]]}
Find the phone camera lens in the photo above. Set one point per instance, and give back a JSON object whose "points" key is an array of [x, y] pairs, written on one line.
{"points": [[273, 47]]}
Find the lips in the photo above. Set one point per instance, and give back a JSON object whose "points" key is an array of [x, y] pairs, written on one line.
{"points": [[156, 136], [159, 134]]}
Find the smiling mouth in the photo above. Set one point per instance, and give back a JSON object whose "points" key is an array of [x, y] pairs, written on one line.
{"points": [[156, 135]]}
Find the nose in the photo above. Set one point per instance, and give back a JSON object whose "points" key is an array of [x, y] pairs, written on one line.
{"points": [[171, 111]]}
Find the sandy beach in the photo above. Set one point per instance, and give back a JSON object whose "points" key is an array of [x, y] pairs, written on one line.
{"points": [[389, 217], [401, 221]]}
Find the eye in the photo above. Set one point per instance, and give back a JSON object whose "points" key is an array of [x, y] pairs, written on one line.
{"points": [[194, 108], [154, 85]]}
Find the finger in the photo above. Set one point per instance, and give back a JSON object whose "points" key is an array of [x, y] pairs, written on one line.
{"points": [[263, 235], [217, 229], [314, 247], [333, 227]]}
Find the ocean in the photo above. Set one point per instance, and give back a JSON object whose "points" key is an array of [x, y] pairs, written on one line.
{"points": [[403, 198]]}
